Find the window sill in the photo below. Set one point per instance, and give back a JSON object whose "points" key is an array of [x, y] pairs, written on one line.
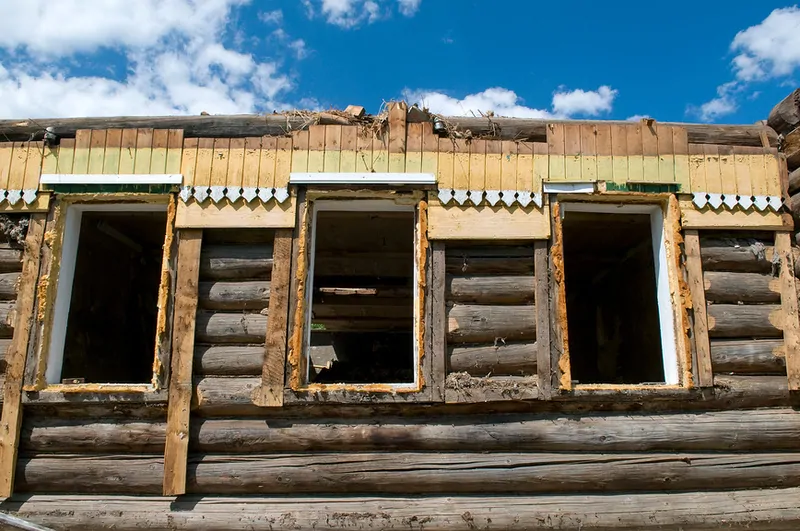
{"points": [[627, 393], [356, 394], [97, 393]]}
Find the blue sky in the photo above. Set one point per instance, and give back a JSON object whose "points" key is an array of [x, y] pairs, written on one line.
{"points": [[726, 62]]}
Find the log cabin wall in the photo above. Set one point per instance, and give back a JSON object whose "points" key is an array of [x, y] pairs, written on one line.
{"points": [[10, 268]]}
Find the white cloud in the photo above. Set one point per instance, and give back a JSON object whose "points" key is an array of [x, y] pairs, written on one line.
{"points": [[505, 102], [408, 7], [174, 54], [349, 14], [271, 17], [637, 117]]}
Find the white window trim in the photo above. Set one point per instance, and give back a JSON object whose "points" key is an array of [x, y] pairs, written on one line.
{"points": [[362, 178], [368, 205], [666, 314], [101, 178], [66, 277]]}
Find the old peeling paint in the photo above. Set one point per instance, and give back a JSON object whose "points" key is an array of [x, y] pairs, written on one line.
{"points": [[557, 257], [41, 296], [422, 230], [164, 288], [298, 331], [682, 302]]}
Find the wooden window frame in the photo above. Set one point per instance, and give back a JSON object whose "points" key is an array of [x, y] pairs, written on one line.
{"points": [[426, 384], [54, 297], [663, 209]]}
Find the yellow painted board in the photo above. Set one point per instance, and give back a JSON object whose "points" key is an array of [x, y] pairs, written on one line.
{"points": [[299, 151], [316, 148], [33, 166], [269, 153], [413, 162], [486, 222], [588, 152], [237, 215], [524, 181], [83, 140], [188, 161], [144, 151], [252, 161], [283, 162], [619, 153], [727, 170], [113, 146], [752, 219], [174, 150], [364, 151], [541, 164], [398, 138], [158, 156], [65, 154], [713, 170], [97, 151], [6, 154], [236, 163], [49, 162], [19, 159], [697, 168], [572, 148], [555, 150], [650, 152], [477, 165], [380, 153], [219, 162], [461, 165], [347, 162], [741, 163], [446, 163], [430, 149], [508, 165], [680, 144], [205, 156], [127, 152], [635, 149], [605, 164], [758, 172], [666, 154], [333, 146], [772, 169], [40, 204], [494, 157]]}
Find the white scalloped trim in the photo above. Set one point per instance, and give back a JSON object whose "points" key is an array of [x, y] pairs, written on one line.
{"points": [[13, 197], [722, 201], [217, 193], [492, 197]]}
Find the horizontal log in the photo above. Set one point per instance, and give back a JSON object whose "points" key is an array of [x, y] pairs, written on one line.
{"points": [[228, 262], [218, 327], [8, 285], [491, 289], [762, 391], [7, 316], [746, 255], [513, 359], [10, 260], [243, 295], [745, 320], [119, 474], [228, 360], [794, 182], [755, 509], [749, 357], [461, 388], [490, 260], [490, 324], [724, 286], [785, 116], [88, 435]]}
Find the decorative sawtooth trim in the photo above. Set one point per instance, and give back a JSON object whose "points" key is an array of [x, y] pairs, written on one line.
{"points": [[13, 197], [492, 197], [218, 193], [717, 201]]}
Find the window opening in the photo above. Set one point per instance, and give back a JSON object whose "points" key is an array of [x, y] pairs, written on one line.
{"points": [[104, 327], [619, 312], [361, 313]]}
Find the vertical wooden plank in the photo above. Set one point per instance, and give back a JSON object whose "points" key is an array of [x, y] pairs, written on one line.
{"points": [[347, 162], [605, 164], [15, 355], [19, 159], [666, 154], [477, 166], [414, 148], [252, 161], [713, 172], [283, 162], [542, 300], [273, 371], [113, 146], [588, 152], [438, 325], [697, 168], [635, 149], [174, 151], [380, 153], [446, 163], [791, 323], [430, 150], [572, 152], [166, 301], [364, 151], [83, 141], [619, 153], [188, 161], [235, 166], [555, 150], [219, 166], [541, 164], [333, 145], [269, 152], [650, 151], [397, 137], [772, 168], [758, 172], [525, 166], [144, 151], [680, 145], [33, 166], [494, 169], [560, 373], [49, 163], [461, 165], [180, 381], [97, 151], [299, 150], [508, 166], [127, 152], [727, 171], [205, 158], [694, 271], [741, 162], [6, 154], [316, 148], [65, 154], [158, 156]]}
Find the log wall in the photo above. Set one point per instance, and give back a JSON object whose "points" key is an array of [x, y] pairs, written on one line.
{"points": [[10, 269]]}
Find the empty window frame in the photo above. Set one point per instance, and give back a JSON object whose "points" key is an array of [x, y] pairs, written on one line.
{"points": [[620, 316], [362, 313], [105, 316]]}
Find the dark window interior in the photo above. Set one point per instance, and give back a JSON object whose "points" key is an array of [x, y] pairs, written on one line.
{"points": [[612, 308], [362, 312], [111, 328]]}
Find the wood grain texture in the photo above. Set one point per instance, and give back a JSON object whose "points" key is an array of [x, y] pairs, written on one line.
{"points": [[504, 359], [228, 360], [764, 356], [438, 321], [791, 324], [735, 287], [751, 320], [225, 214], [488, 324], [180, 383], [694, 272], [543, 345], [491, 290], [486, 222]]}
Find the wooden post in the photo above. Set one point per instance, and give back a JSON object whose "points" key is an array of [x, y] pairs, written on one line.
{"points": [[694, 269], [791, 324], [561, 376], [542, 301], [15, 357], [180, 382], [272, 375], [438, 324]]}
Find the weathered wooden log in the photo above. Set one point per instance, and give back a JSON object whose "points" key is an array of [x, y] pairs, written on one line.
{"points": [[791, 147], [120, 474], [490, 260], [228, 360], [762, 391], [221, 327], [7, 316], [490, 324], [745, 320], [785, 116], [754, 509], [513, 359], [8, 286], [724, 286], [794, 182], [491, 289], [765, 430], [4, 344], [10, 260], [744, 255], [228, 262], [88, 435], [766, 356], [243, 295]]}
